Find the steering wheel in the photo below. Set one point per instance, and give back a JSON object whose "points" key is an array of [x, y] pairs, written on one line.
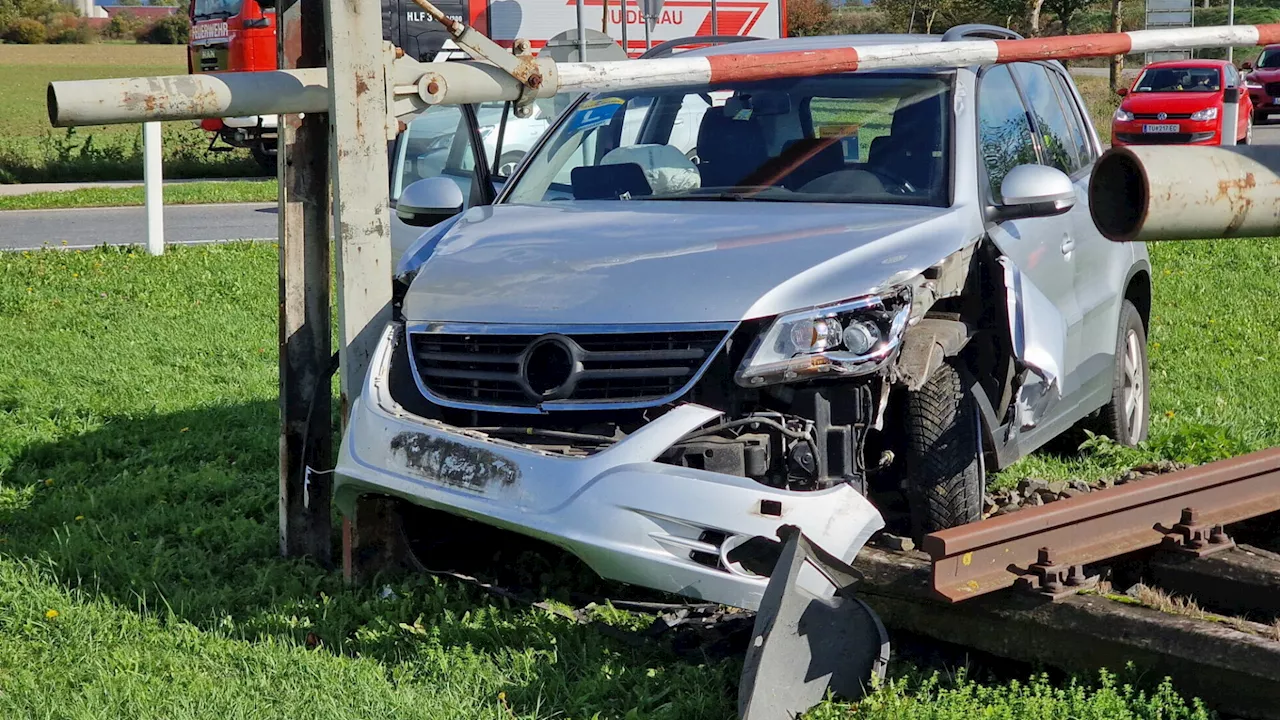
{"points": [[901, 186]]}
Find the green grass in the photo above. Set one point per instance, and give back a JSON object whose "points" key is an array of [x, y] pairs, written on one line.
{"points": [[33, 151], [139, 574], [183, 194]]}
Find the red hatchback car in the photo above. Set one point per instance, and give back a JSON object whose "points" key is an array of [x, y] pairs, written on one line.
{"points": [[1262, 77], [1180, 102]]}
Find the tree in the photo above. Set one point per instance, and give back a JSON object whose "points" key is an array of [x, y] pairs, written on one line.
{"points": [[808, 17], [1065, 10], [171, 30], [25, 31]]}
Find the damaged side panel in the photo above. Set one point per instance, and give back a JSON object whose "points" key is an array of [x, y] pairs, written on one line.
{"points": [[1039, 335]]}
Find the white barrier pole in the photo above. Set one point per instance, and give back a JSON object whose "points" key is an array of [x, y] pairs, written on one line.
{"points": [[153, 187], [1230, 116]]}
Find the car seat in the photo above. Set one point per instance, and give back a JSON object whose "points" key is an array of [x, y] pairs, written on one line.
{"points": [[824, 156], [912, 150], [729, 148]]}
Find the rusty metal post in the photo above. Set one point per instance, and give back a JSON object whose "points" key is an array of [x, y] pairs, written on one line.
{"points": [[306, 426], [359, 121]]}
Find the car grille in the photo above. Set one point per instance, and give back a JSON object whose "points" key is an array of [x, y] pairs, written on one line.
{"points": [[1156, 116], [1273, 89], [486, 370], [1162, 138]]}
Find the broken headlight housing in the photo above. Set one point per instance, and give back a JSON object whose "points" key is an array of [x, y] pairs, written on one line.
{"points": [[855, 337]]}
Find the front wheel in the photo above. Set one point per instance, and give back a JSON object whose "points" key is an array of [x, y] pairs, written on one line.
{"points": [[944, 454], [1127, 416], [508, 163]]}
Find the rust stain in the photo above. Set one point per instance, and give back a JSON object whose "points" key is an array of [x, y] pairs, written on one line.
{"points": [[362, 87], [1235, 193]]}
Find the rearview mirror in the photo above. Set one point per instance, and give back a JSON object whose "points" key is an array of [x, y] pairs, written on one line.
{"points": [[1036, 191], [429, 201], [1122, 91]]}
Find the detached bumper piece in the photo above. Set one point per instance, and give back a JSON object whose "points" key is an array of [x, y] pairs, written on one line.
{"points": [[811, 633]]}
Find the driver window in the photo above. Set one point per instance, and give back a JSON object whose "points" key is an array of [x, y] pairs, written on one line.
{"points": [[436, 143], [1004, 131]]}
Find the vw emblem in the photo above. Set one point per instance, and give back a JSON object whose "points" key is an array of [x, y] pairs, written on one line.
{"points": [[548, 368], [1162, 116]]}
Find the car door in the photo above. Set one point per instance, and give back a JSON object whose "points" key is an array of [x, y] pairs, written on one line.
{"points": [[1038, 275], [1099, 266]]}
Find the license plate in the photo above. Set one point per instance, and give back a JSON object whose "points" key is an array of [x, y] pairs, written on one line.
{"points": [[1171, 128], [208, 55]]}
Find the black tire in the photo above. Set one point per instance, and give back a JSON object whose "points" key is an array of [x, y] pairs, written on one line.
{"points": [[945, 473], [509, 161], [1259, 119], [266, 160], [1116, 421]]}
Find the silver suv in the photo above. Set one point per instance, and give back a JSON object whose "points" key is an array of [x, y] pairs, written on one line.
{"points": [[862, 293]]}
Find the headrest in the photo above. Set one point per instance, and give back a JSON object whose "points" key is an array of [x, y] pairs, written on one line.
{"points": [[665, 168]]}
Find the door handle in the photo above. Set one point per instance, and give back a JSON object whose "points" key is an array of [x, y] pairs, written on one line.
{"points": [[1068, 244]]}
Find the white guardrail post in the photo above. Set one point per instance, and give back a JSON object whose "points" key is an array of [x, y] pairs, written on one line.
{"points": [[153, 187], [1230, 116]]}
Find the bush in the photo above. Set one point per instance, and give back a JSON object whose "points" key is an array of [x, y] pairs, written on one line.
{"points": [[808, 17], [25, 31], [124, 25], [172, 30], [68, 29]]}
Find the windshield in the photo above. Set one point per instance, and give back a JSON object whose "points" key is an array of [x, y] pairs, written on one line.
{"points": [[1269, 59], [216, 8], [858, 138], [1179, 80]]}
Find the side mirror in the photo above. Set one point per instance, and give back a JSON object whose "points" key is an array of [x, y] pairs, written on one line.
{"points": [[429, 201], [1035, 191], [1246, 65], [1122, 91]]}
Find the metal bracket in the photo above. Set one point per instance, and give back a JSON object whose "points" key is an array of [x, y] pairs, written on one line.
{"points": [[1191, 537], [1054, 581], [519, 64]]}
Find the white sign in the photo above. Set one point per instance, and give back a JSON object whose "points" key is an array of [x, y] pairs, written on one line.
{"points": [[675, 19], [209, 32]]}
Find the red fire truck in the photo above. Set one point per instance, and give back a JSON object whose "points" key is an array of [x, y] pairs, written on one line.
{"points": [[240, 35]]}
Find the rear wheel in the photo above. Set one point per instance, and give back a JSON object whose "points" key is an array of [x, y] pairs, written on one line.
{"points": [[508, 163], [944, 453], [1125, 419]]}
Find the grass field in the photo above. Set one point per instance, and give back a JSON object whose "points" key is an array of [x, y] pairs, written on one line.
{"points": [[184, 194], [33, 151], [138, 567]]}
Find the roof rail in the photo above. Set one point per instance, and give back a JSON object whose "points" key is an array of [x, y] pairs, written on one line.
{"points": [[976, 31], [669, 47]]}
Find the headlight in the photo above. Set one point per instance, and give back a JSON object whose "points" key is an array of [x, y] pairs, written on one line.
{"points": [[855, 337], [1205, 114], [1123, 115]]}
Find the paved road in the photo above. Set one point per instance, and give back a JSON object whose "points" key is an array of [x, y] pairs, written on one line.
{"points": [[89, 227]]}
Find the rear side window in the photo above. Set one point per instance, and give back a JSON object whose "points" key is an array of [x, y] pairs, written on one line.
{"points": [[1003, 130], [1056, 140]]}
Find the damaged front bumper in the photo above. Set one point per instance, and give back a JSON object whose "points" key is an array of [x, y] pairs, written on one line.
{"points": [[629, 518]]}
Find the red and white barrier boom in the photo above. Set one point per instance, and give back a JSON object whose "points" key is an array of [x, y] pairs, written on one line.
{"points": [[498, 75]]}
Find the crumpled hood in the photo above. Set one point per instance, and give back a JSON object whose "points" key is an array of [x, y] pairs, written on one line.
{"points": [[613, 262]]}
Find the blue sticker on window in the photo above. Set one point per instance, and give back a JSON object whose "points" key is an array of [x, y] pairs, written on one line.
{"points": [[593, 113]]}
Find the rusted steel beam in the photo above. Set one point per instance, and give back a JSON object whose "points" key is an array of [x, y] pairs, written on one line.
{"points": [[1233, 671], [1146, 194], [982, 557], [186, 97]]}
